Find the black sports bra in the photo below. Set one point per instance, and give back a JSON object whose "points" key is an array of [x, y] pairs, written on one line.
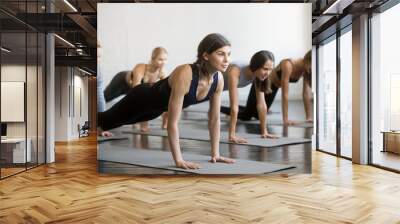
{"points": [[164, 90]]}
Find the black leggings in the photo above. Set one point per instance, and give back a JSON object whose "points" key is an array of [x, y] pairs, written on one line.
{"points": [[250, 110], [116, 87], [140, 104]]}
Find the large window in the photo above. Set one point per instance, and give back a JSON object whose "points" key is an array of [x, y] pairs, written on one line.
{"points": [[327, 96], [385, 89], [22, 92], [346, 93]]}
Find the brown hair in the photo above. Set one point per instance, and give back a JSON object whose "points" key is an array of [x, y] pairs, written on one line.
{"points": [[209, 44], [307, 60], [307, 57], [257, 61]]}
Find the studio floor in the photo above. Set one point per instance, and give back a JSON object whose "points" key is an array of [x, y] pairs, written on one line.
{"points": [[298, 155]]}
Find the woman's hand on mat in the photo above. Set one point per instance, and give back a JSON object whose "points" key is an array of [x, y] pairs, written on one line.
{"points": [[237, 139], [268, 135], [187, 165], [220, 159], [106, 134]]}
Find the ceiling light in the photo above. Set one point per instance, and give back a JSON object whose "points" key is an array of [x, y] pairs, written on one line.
{"points": [[64, 40], [338, 6], [326, 11], [5, 50], [86, 72], [70, 5]]}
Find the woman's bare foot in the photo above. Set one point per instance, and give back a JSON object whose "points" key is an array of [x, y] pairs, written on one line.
{"points": [[164, 126], [164, 120], [144, 126]]}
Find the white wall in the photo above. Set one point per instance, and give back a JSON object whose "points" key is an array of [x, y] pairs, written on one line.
{"points": [[127, 37], [15, 73], [67, 117]]}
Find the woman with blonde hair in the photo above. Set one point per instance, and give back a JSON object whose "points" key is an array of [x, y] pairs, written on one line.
{"points": [[149, 73]]}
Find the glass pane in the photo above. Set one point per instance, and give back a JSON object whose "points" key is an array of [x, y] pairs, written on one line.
{"points": [[327, 97], [386, 89], [346, 94], [31, 97], [13, 85], [41, 98]]}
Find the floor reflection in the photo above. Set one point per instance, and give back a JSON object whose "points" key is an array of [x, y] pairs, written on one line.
{"points": [[298, 155]]}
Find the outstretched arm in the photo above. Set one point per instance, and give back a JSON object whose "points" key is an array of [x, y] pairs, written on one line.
{"points": [[286, 69], [262, 114], [233, 79], [214, 123], [307, 99], [180, 83]]}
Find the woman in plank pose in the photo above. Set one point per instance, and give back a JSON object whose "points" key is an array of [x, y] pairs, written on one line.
{"points": [[187, 85], [240, 75]]}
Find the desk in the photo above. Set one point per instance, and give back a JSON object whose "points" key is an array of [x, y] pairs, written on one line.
{"points": [[15, 148], [391, 141]]}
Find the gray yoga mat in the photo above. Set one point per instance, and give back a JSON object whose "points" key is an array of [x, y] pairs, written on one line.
{"points": [[203, 117], [163, 160], [203, 135], [112, 138]]}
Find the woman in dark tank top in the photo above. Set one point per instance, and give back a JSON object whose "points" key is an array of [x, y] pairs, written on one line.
{"points": [[187, 85]]}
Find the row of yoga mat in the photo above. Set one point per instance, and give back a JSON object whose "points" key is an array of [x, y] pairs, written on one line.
{"points": [[163, 159]]}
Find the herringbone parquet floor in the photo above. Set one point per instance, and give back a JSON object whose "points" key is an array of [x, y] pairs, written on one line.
{"points": [[71, 191]]}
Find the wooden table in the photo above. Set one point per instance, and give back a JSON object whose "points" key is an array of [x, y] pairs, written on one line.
{"points": [[391, 141]]}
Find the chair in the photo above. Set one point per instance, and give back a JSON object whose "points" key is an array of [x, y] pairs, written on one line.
{"points": [[84, 129]]}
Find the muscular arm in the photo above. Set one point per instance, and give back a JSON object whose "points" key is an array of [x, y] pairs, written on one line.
{"points": [[214, 123], [262, 110], [262, 113], [214, 118], [233, 79], [307, 99], [180, 83], [286, 68]]}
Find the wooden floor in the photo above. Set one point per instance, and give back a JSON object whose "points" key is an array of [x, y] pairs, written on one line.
{"points": [[71, 191]]}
